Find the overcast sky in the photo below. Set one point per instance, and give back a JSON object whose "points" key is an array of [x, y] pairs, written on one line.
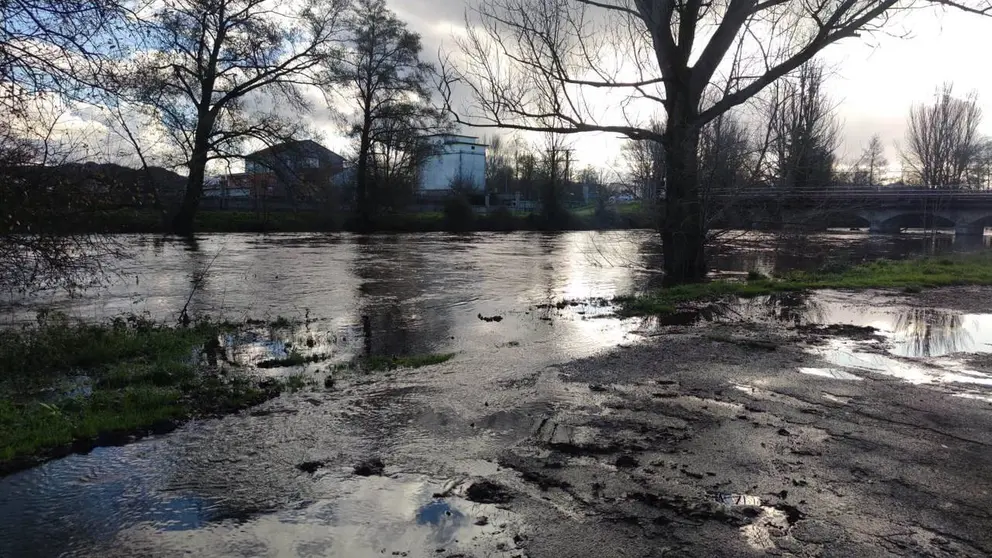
{"points": [[875, 79]]}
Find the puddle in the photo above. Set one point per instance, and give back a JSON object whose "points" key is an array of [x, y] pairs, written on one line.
{"points": [[907, 332], [912, 344], [365, 516], [845, 354]]}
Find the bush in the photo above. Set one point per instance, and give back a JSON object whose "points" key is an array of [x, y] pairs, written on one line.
{"points": [[458, 213], [502, 219]]}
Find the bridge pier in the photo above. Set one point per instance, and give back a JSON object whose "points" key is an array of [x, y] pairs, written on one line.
{"points": [[883, 227], [969, 230]]}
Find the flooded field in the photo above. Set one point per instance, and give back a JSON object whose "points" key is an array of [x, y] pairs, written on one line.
{"points": [[287, 478]]}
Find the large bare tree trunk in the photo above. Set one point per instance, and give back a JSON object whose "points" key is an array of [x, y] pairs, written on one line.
{"points": [[362, 180], [182, 223], [683, 234]]}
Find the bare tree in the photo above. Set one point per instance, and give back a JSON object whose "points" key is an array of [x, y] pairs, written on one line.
{"points": [[400, 145], [52, 47], [208, 68], [805, 131], [538, 65], [872, 162], [943, 139], [980, 172], [49, 199], [725, 155], [644, 162], [49, 51], [555, 176], [384, 77], [499, 162]]}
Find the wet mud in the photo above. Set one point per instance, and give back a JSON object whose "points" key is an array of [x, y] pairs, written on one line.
{"points": [[831, 425]]}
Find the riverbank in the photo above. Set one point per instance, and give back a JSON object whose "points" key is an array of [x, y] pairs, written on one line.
{"points": [[911, 275], [718, 439], [66, 386], [498, 220], [702, 443]]}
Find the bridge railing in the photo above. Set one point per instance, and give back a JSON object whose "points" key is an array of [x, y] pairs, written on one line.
{"points": [[888, 194]]}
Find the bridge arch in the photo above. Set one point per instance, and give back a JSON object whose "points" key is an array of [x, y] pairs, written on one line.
{"points": [[973, 226], [895, 221]]}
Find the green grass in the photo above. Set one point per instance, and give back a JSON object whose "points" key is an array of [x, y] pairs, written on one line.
{"points": [[294, 358], [64, 383], [298, 382], [375, 363], [910, 275]]}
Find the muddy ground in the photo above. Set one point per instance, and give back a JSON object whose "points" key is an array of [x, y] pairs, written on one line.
{"points": [[706, 441], [673, 430], [700, 440]]}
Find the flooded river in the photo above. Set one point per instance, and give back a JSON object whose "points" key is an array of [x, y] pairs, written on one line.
{"points": [[232, 487]]}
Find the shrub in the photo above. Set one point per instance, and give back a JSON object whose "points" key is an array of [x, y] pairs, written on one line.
{"points": [[458, 213]]}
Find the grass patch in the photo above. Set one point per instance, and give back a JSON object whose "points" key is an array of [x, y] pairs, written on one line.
{"points": [[376, 363], [294, 358], [298, 382], [911, 275], [68, 386]]}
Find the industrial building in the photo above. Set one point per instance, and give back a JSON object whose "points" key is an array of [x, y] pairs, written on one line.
{"points": [[461, 160]]}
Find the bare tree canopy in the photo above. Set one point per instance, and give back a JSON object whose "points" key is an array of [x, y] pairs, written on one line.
{"points": [[205, 68], [49, 50], [872, 163], [50, 45], [571, 66], [381, 74], [943, 142], [805, 131], [644, 164]]}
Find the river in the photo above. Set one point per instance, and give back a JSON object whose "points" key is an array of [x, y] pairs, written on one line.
{"points": [[230, 487]]}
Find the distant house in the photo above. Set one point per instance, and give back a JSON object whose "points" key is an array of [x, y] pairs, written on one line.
{"points": [[460, 160], [298, 170]]}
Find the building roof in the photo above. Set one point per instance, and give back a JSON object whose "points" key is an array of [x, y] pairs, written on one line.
{"points": [[290, 146]]}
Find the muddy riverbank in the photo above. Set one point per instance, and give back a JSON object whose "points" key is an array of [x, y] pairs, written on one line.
{"points": [[830, 424], [709, 447]]}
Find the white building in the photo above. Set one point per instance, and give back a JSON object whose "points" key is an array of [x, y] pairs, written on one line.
{"points": [[461, 159]]}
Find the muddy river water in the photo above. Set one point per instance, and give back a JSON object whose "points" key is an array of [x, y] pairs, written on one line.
{"points": [[232, 486]]}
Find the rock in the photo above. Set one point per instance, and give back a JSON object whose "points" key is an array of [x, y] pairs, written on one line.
{"points": [[310, 466], [482, 520], [370, 467], [488, 492], [627, 462], [784, 432], [496, 318], [597, 387], [328, 383]]}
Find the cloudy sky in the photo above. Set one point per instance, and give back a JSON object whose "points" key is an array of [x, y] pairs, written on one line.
{"points": [[875, 79]]}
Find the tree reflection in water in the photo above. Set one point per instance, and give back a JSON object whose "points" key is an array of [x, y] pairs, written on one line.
{"points": [[925, 332]]}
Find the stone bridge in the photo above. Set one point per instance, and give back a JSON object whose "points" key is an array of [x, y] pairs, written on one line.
{"points": [[882, 210]]}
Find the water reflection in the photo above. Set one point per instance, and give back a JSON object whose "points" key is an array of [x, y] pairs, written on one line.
{"points": [[925, 332], [366, 517], [909, 331]]}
